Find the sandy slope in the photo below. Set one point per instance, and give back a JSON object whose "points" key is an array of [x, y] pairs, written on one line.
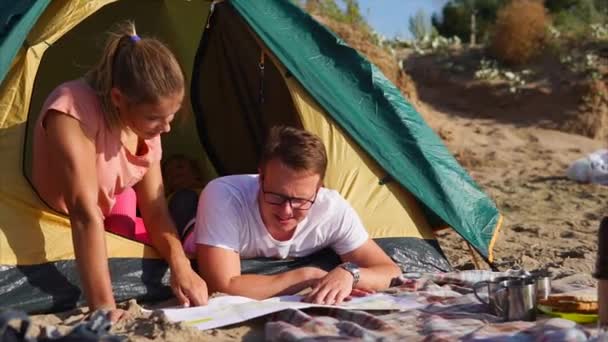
{"points": [[549, 221]]}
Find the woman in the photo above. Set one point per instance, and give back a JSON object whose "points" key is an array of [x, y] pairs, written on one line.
{"points": [[97, 144]]}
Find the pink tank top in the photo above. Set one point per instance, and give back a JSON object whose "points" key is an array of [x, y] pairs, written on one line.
{"points": [[117, 168]]}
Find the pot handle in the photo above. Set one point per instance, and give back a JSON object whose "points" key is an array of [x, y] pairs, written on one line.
{"points": [[479, 285]]}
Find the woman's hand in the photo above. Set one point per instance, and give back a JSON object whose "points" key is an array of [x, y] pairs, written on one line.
{"points": [[116, 315], [110, 311], [189, 288]]}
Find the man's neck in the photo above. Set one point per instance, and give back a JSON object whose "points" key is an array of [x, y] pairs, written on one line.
{"points": [[281, 235]]}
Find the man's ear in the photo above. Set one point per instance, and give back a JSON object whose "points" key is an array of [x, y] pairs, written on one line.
{"points": [[260, 176]]}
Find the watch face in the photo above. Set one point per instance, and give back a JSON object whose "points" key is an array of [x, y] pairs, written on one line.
{"points": [[352, 267]]}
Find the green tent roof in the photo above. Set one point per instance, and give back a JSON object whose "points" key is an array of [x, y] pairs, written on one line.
{"points": [[375, 114], [16, 21]]}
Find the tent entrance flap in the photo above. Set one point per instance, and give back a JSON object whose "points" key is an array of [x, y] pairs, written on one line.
{"points": [[237, 95]]}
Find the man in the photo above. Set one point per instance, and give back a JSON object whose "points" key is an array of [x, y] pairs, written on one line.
{"points": [[284, 212]]}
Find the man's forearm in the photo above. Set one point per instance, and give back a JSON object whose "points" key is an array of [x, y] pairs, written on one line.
{"points": [[266, 286], [377, 277]]}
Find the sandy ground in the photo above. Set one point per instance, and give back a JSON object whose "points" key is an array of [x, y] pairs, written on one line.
{"points": [[142, 325], [549, 221], [511, 151]]}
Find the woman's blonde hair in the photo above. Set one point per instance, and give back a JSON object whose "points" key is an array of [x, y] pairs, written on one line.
{"points": [[143, 69]]}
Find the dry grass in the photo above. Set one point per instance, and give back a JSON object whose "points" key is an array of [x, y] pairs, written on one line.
{"points": [[362, 42], [520, 31]]}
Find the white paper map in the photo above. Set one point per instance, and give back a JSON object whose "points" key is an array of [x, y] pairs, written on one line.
{"points": [[226, 310]]}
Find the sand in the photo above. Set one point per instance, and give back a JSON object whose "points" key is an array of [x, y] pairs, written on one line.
{"points": [[549, 221], [143, 325]]}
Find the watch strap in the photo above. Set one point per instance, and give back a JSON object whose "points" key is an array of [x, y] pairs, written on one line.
{"points": [[353, 269]]}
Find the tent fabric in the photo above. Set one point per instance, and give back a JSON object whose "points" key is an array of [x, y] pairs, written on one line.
{"points": [[55, 286], [19, 205], [375, 114], [226, 88], [16, 21], [387, 210], [180, 24], [231, 93], [412, 254], [37, 266]]}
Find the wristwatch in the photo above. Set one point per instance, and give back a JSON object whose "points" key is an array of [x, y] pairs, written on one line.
{"points": [[353, 269]]}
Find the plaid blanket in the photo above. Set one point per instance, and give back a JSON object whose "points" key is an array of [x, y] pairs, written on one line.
{"points": [[451, 313]]}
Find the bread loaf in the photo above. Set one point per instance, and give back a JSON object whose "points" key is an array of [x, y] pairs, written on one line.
{"points": [[581, 301]]}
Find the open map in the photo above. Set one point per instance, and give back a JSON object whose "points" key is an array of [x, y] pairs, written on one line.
{"points": [[226, 310]]}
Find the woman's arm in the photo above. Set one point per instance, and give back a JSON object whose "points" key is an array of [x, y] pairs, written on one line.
{"points": [[187, 285], [73, 155]]}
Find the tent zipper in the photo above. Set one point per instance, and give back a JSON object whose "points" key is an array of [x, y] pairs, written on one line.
{"points": [[211, 10], [261, 89]]}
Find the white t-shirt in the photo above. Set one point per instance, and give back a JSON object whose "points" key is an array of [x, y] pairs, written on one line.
{"points": [[228, 216]]}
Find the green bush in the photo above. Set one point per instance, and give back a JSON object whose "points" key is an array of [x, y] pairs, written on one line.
{"points": [[520, 32], [576, 18], [455, 18]]}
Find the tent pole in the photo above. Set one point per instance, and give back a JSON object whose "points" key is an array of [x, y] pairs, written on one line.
{"points": [[473, 256]]}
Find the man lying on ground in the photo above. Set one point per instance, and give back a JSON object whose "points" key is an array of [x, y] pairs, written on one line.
{"points": [[284, 212]]}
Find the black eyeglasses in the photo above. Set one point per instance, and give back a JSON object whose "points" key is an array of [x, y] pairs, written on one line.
{"points": [[296, 203]]}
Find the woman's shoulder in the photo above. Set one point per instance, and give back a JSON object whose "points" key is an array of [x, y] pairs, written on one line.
{"points": [[73, 91], [76, 99]]}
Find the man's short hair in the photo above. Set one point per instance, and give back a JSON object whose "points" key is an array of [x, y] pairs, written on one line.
{"points": [[295, 148]]}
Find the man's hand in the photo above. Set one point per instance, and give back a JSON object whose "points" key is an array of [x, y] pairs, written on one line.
{"points": [[359, 293], [189, 288], [332, 289]]}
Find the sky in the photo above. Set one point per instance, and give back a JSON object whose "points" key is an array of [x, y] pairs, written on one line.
{"points": [[391, 17]]}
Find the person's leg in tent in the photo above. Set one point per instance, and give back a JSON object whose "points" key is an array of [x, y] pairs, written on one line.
{"points": [[123, 219], [183, 184], [182, 207]]}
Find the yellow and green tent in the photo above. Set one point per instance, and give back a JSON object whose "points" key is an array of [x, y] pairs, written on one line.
{"points": [[249, 65]]}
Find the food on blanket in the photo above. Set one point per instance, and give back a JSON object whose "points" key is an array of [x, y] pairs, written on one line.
{"points": [[581, 318], [577, 307], [581, 301]]}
